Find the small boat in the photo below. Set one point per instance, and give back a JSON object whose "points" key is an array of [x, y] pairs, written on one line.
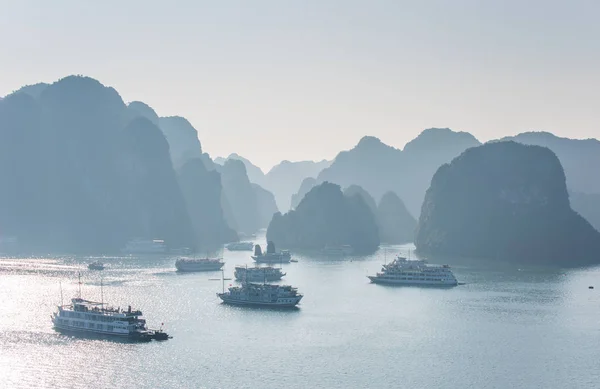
{"points": [[96, 265], [195, 265], [240, 246], [293, 260]]}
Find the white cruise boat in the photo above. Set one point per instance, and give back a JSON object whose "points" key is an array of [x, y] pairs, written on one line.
{"points": [[258, 274], [405, 272], [240, 246], [86, 317], [201, 264], [145, 246], [271, 256], [261, 295]]}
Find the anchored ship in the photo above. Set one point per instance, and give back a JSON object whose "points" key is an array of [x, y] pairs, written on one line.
{"points": [[271, 256], [86, 317], [262, 295], [202, 264], [96, 265], [258, 274], [406, 272], [240, 246]]}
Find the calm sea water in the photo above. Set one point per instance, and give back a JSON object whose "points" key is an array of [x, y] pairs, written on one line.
{"points": [[506, 328]]}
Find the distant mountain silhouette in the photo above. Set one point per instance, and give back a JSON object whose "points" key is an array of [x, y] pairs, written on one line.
{"points": [[579, 158], [247, 207], [34, 90], [267, 207], [326, 217], [396, 224], [305, 187], [380, 168], [183, 139], [202, 191], [83, 172], [284, 179], [588, 206], [255, 174], [137, 108], [357, 190], [505, 201]]}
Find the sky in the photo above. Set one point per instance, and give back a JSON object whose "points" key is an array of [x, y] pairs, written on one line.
{"points": [[299, 80]]}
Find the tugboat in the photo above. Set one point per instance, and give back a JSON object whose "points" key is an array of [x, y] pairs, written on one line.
{"points": [[96, 265], [261, 295], [258, 274], [202, 264], [271, 256], [84, 317]]}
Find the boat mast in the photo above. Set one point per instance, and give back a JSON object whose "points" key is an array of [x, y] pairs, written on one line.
{"points": [[61, 294], [101, 295], [79, 284]]}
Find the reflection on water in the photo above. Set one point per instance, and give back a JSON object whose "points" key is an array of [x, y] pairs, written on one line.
{"points": [[506, 327]]}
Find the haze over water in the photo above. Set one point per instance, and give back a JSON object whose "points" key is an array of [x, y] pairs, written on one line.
{"points": [[507, 327]]}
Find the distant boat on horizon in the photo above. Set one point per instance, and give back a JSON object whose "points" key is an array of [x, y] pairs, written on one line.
{"points": [[145, 246], [198, 265]]}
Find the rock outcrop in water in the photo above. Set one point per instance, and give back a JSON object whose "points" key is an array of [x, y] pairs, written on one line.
{"points": [[579, 158], [202, 192], [80, 173], [326, 217], [379, 168], [396, 224], [588, 206], [182, 138], [305, 187], [247, 207], [505, 201]]}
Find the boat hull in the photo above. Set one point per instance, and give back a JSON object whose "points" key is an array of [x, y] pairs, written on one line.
{"points": [[259, 304], [384, 281], [87, 333], [192, 268]]}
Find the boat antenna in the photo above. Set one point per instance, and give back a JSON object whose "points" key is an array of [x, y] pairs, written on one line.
{"points": [[61, 293], [101, 294], [223, 279], [385, 256], [79, 284]]}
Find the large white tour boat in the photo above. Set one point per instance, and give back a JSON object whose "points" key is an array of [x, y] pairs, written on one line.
{"points": [[406, 272], [201, 264], [86, 317], [262, 295], [258, 274]]}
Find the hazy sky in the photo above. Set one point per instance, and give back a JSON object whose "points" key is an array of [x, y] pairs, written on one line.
{"points": [[296, 80]]}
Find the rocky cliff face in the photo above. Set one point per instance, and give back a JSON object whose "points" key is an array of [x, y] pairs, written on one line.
{"points": [[326, 217], [305, 187], [183, 139], [579, 158], [78, 176], [396, 224], [588, 206], [505, 201], [379, 168], [202, 192]]}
